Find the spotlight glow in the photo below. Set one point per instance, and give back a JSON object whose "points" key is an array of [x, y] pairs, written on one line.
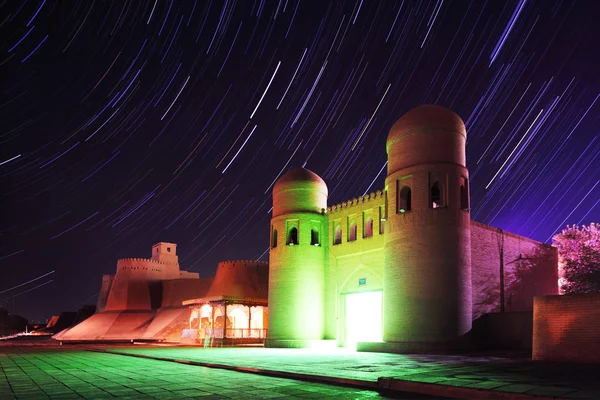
{"points": [[363, 318]]}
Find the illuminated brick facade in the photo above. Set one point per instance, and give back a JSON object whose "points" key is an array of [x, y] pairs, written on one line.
{"points": [[137, 283], [145, 299], [414, 242], [567, 328]]}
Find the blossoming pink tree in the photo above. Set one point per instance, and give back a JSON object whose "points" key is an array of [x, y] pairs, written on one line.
{"points": [[579, 258]]}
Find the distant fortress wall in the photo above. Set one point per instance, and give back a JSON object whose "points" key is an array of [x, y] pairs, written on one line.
{"points": [[137, 283], [244, 263], [107, 281], [175, 291], [146, 269], [127, 294], [241, 278]]}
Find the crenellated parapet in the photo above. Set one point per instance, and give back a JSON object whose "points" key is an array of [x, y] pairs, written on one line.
{"points": [[247, 262], [143, 260], [376, 198], [145, 268]]}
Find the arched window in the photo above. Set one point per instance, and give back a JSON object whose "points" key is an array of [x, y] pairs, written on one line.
{"points": [[274, 244], [368, 228], [464, 194], [337, 235], [405, 200], [352, 232], [314, 237], [293, 236], [436, 195]]}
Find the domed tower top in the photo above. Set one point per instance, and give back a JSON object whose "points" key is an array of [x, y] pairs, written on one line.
{"points": [[299, 190], [428, 134]]}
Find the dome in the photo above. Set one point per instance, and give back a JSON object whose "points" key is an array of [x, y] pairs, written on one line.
{"points": [[428, 134], [300, 190], [427, 117], [300, 178]]}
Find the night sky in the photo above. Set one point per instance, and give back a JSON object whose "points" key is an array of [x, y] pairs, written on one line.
{"points": [[125, 123]]}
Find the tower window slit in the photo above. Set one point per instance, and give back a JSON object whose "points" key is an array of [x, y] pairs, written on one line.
{"points": [[293, 236], [352, 232], [337, 235], [314, 238], [405, 200], [464, 194], [436, 195], [368, 228]]}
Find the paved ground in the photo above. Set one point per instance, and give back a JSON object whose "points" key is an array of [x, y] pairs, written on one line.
{"points": [[37, 372], [461, 376]]}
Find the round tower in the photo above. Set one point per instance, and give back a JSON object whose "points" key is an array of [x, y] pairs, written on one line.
{"points": [[427, 247], [297, 258], [245, 279]]}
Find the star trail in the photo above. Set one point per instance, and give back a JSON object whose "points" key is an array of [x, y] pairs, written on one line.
{"points": [[126, 123]]}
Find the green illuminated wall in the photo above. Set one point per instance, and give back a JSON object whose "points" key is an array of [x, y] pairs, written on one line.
{"points": [[419, 258], [296, 280], [351, 262], [427, 251], [297, 270]]}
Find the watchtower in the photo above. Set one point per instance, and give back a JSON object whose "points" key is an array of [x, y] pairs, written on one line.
{"points": [[297, 258], [427, 246], [165, 252]]}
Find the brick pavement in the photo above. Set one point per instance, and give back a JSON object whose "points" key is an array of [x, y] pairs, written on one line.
{"points": [[455, 376], [38, 373]]}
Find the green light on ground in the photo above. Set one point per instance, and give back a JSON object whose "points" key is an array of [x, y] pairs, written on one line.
{"points": [[363, 318], [36, 373]]}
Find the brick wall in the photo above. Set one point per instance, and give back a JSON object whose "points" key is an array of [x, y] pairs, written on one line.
{"points": [[567, 328], [296, 280], [348, 262], [530, 269], [175, 291], [107, 281]]}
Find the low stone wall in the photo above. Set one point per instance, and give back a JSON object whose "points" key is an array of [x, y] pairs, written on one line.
{"points": [[567, 328]]}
